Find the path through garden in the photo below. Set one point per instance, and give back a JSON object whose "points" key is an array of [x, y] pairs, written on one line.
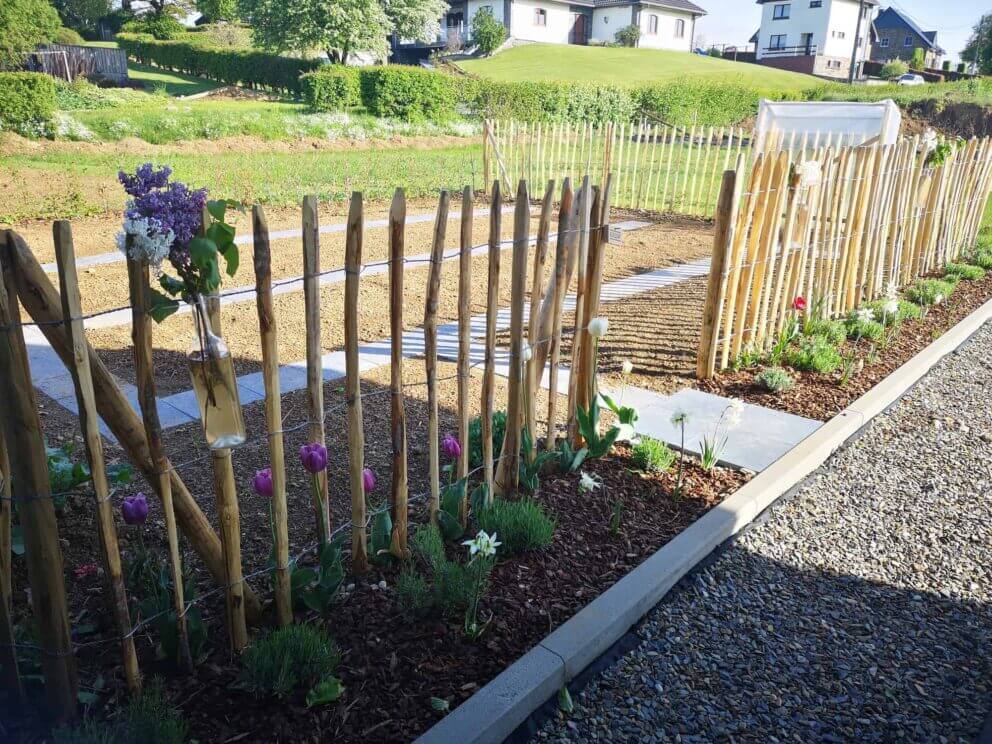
{"points": [[859, 610]]}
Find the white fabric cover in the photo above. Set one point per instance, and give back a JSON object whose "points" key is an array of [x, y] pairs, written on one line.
{"points": [[848, 124]]}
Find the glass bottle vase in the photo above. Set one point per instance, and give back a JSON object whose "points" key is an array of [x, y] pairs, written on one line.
{"points": [[211, 370]]}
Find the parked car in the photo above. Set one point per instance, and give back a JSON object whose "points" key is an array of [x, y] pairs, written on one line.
{"points": [[910, 79]]}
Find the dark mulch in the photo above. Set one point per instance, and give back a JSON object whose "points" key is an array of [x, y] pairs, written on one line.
{"points": [[820, 396], [394, 664]]}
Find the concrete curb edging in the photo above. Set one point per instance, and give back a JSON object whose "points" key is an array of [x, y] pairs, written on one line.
{"points": [[495, 711]]}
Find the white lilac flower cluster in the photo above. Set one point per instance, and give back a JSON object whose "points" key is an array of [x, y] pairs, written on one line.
{"points": [[147, 242]]}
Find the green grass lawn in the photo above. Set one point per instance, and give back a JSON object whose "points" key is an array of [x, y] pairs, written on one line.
{"points": [[624, 66], [78, 183], [173, 83]]}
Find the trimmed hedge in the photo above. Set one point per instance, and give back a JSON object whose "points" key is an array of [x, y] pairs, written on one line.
{"points": [[27, 101], [252, 69], [332, 88], [546, 101], [410, 93]]}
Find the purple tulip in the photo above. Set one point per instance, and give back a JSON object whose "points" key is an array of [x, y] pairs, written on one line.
{"points": [[314, 457], [368, 480], [451, 448], [263, 483], [135, 509]]}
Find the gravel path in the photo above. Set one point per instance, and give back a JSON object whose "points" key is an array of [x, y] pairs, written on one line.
{"points": [[860, 611]]}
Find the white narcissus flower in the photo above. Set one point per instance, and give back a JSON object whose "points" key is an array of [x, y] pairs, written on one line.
{"points": [[598, 327], [627, 367], [589, 483], [734, 413], [810, 173], [526, 353], [864, 315], [938, 299], [891, 291], [930, 140], [482, 544], [891, 308]]}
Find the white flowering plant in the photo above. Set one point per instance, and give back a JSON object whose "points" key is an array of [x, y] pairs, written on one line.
{"points": [[482, 558], [589, 482], [711, 447]]}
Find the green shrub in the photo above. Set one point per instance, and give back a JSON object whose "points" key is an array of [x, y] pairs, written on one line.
{"points": [[628, 36], [545, 101], [774, 380], [247, 67], [408, 93], [652, 455], [983, 258], [814, 354], [894, 69], [487, 32], [859, 327], [24, 24], [150, 719], [414, 593], [163, 27], [520, 525], [687, 102], [27, 102], [906, 310], [448, 584], [475, 437], [965, 271], [331, 88], [927, 291], [832, 330], [67, 36], [289, 659]]}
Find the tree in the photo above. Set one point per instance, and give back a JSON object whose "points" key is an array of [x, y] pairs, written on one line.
{"points": [[83, 15], [628, 36], [978, 50], [919, 59], [893, 69], [218, 10], [24, 24], [338, 27], [416, 19], [487, 32]]}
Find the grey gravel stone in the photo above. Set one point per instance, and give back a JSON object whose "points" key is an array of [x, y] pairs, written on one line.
{"points": [[861, 610]]}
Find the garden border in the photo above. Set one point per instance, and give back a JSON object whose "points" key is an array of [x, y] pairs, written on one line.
{"points": [[495, 711]]}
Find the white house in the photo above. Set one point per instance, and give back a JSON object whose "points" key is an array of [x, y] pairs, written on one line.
{"points": [[664, 24], [817, 37]]}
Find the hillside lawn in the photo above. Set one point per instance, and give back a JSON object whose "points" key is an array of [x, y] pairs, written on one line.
{"points": [[628, 67]]}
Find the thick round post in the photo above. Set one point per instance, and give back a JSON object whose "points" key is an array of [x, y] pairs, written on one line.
{"points": [[141, 335], [533, 372], [89, 425], [556, 294], [399, 489], [579, 335], [273, 412], [430, 353], [353, 387], [492, 306], [464, 336], [29, 471]]}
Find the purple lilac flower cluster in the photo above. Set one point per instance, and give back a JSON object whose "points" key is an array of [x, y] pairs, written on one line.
{"points": [[170, 204]]}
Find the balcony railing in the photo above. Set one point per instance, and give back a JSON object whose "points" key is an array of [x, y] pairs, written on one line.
{"points": [[801, 50]]}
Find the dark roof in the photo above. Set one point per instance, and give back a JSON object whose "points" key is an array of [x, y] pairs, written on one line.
{"points": [[762, 2], [683, 5], [892, 18]]}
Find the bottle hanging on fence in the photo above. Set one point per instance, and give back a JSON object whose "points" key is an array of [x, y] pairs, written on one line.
{"points": [[211, 369]]}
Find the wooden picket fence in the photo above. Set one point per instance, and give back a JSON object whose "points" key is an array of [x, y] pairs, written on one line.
{"points": [[878, 215], [654, 166], [580, 241]]}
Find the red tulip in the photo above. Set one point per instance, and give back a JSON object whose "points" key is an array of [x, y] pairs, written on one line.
{"points": [[799, 303]]}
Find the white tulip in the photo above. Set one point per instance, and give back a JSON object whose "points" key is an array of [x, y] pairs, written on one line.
{"points": [[526, 353], [598, 327], [627, 367]]}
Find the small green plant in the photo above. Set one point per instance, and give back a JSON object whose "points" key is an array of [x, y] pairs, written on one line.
{"points": [[629, 35], [616, 515], [894, 69], [983, 258], [288, 660], [588, 420], [475, 437], [750, 356], [965, 271], [570, 460], [316, 587], [905, 310], [449, 515], [414, 593], [482, 558], [774, 380], [530, 469], [652, 455], [814, 354], [861, 324], [679, 420], [627, 417], [832, 330], [927, 292], [444, 585], [148, 719], [521, 525], [712, 446]]}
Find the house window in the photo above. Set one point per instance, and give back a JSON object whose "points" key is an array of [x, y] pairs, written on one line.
{"points": [[781, 12], [652, 24], [908, 41], [777, 41], [540, 17], [884, 43], [679, 29], [840, 34], [816, 3]]}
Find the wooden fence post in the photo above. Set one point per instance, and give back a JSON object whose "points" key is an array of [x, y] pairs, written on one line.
{"points": [[492, 306], [268, 336], [430, 353], [29, 473], [486, 168], [582, 363], [464, 338], [141, 335], [556, 294], [89, 425], [507, 473], [578, 337], [726, 216], [353, 384], [533, 373], [399, 490], [8, 649], [598, 241], [41, 301], [315, 365]]}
